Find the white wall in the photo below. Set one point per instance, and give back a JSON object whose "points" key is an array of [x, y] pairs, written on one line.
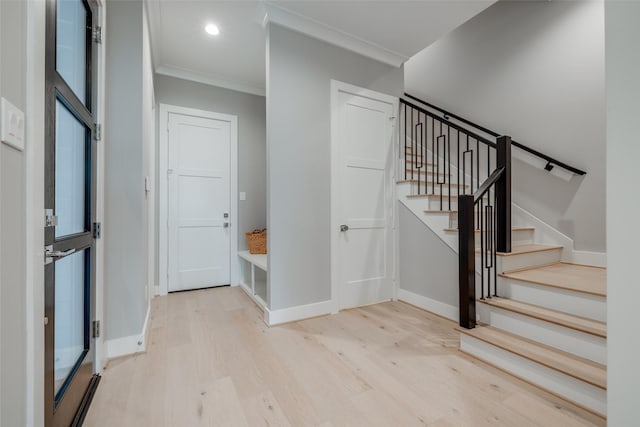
{"points": [[623, 210], [533, 70], [427, 266], [299, 71], [149, 153], [250, 110], [125, 229], [13, 303]]}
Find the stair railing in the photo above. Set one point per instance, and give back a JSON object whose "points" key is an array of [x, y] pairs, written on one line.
{"points": [[428, 137], [441, 159], [487, 212]]}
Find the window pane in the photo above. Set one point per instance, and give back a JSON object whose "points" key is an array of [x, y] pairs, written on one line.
{"points": [[69, 315], [70, 172], [71, 45]]}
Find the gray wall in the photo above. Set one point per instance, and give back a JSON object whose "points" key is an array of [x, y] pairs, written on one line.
{"points": [[252, 161], [125, 227], [535, 71], [623, 210], [299, 70], [427, 265], [13, 304]]}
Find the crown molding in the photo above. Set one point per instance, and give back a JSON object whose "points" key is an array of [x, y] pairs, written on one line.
{"points": [[154, 22], [279, 15], [208, 79]]}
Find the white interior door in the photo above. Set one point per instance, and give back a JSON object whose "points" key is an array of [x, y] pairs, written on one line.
{"points": [[362, 197], [199, 202]]}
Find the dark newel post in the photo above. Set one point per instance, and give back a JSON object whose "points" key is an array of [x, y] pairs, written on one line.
{"points": [[503, 195], [466, 262]]}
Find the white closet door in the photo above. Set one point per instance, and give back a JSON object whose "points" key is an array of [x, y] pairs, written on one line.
{"points": [[364, 199], [199, 202]]}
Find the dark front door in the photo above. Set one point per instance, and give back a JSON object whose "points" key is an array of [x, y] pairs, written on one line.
{"points": [[70, 200]]}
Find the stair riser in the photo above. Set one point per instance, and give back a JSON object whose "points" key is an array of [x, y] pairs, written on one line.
{"points": [[579, 343], [577, 303], [561, 384]]}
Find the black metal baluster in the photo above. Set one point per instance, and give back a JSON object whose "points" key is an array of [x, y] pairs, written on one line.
{"points": [[449, 164], [419, 165], [482, 253], [406, 163], [458, 164]]}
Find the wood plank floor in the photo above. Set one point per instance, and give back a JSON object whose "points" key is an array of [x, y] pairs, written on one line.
{"points": [[212, 361]]}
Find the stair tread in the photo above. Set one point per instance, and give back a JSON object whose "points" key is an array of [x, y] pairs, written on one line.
{"points": [[529, 248], [526, 249], [512, 229], [567, 363], [575, 277], [427, 172], [415, 181], [424, 196], [420, 163], [578, 323]]}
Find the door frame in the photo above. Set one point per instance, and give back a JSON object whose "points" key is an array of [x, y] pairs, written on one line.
{"points": [[338, 87], [163, 195]]}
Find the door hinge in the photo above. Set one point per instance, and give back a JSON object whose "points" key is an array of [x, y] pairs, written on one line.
{"points": [[96, 329], [97, 34], [50, 220], [97, 230], [97, 130]]}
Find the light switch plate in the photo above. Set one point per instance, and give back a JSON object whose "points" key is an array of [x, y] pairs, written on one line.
{"points": [[11, 125], [243, 196]]}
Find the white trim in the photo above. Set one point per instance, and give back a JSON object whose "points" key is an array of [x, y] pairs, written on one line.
{"points": [[282, 16], [130, 344], [34, 174], [425, 303], [163, 265], [299, 312], [100, 348], [336, 88], [208, 79]]}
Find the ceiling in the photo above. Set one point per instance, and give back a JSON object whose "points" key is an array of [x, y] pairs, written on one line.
{"points": [[390, 31]]}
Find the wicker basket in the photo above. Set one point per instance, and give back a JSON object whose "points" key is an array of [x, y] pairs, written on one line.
{"points": [[257, 241]]}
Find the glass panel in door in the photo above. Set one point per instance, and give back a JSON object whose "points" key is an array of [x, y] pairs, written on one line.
{"points": [[70, 332], [71, 164], [71, 45]]}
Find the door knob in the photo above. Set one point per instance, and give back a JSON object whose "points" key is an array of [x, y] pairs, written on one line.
{"points": [[226, 225], [344, 227]]}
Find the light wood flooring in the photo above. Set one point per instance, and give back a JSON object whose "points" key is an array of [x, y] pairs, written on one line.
{"points": [[212, 361]]}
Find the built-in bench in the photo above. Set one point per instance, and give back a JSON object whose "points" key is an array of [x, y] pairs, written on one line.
{"points": [[253, 278]]}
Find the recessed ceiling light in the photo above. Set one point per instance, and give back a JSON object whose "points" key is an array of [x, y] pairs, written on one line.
{"points": [[212, 29]]}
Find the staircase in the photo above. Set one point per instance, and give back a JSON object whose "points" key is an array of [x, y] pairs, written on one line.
{"points": [[525, 308]]}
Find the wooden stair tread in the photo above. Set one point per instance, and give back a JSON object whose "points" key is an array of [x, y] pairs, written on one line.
{"points": [[427, 172], [561, 361], [420, 163], [575, 277], [424, 196], [415, 181], [512, 229], [577, 323], [528, 249]]}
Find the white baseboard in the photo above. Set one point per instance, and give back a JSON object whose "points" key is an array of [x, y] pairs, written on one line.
{"points": [[299, 312], [130, 344], [437, 307]]}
